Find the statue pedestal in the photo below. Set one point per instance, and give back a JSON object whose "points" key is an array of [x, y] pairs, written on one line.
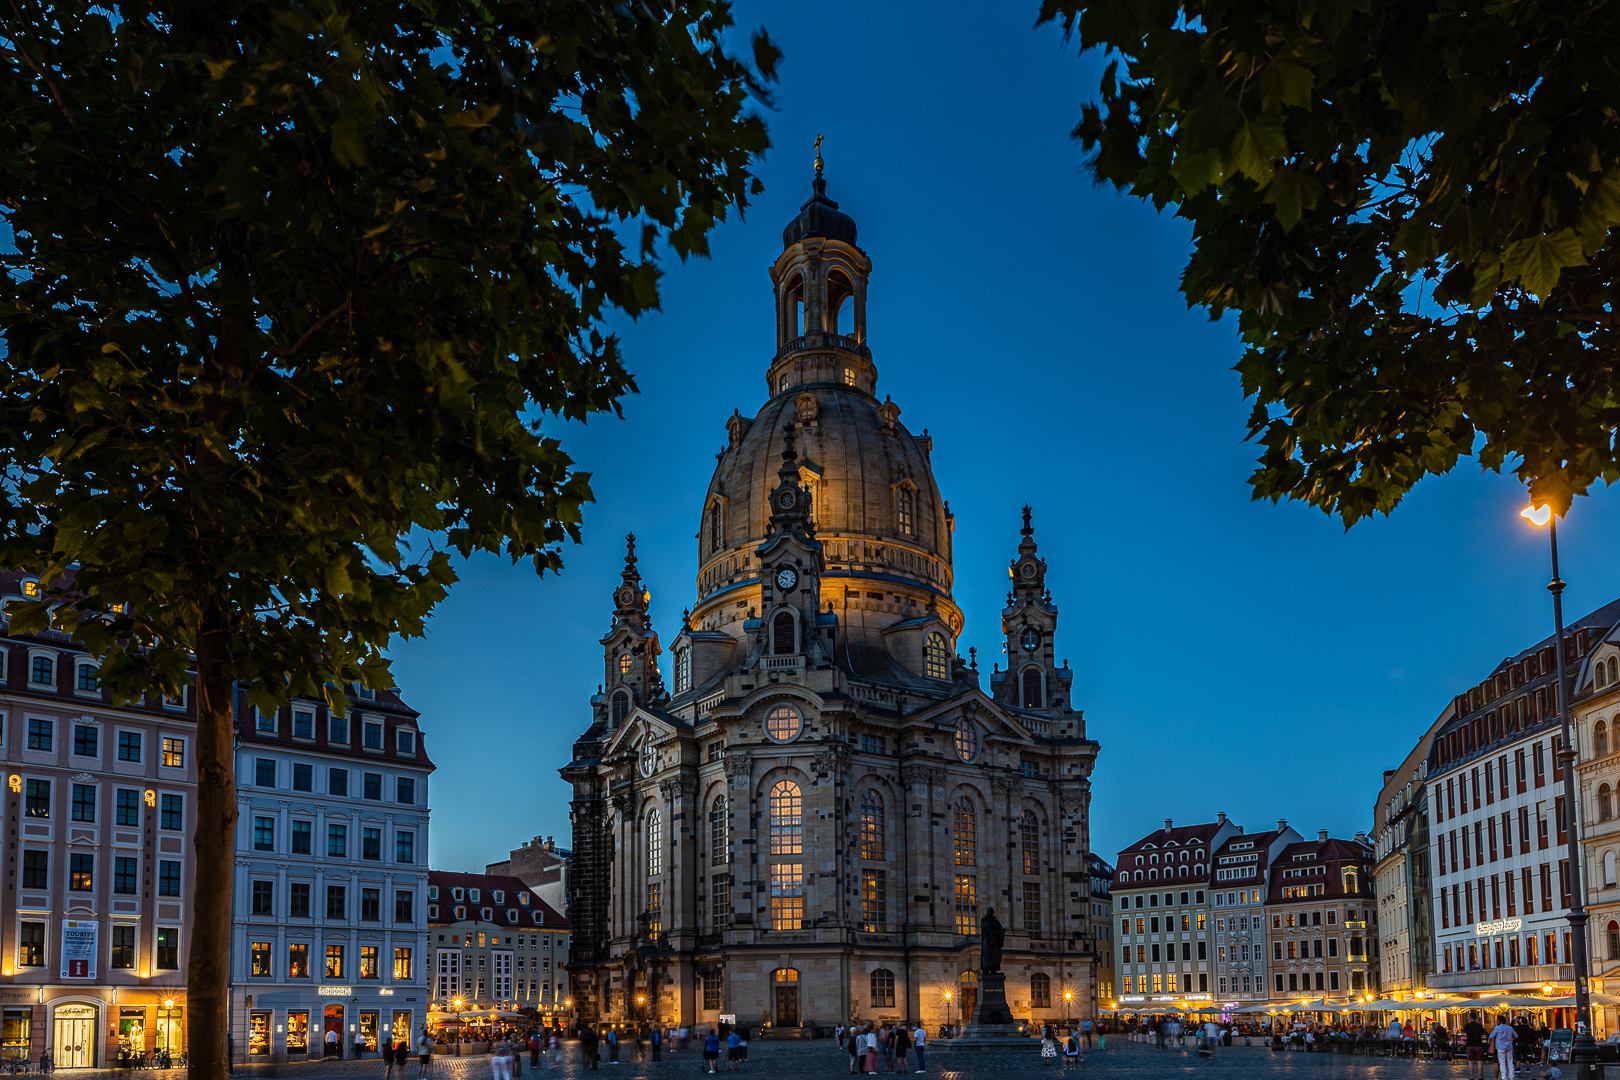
{"points": [[992, 1028]]}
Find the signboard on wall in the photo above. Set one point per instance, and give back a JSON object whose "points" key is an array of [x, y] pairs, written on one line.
{"points": [[79, 948]]}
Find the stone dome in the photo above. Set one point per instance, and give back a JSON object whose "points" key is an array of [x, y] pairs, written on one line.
{"points": [[819, 216], [885, 531]]}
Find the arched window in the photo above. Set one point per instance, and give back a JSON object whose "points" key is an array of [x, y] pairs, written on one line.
{"points": [[903, 511], [967, 739], [782, 634], [1605, 803], [787, 807], [719, 832], [871, 825], [1602, 673], [1614, 669], [1600, 739], [882, 989], [936, 657], [683, 671], [783, 723], [1040, 990], [714, 529], [1029, 842], [849, 376], [621, 708], [966, 832], [1608, 870], [1032, 688], [785, 975], [655, 843], [1614, 940]]}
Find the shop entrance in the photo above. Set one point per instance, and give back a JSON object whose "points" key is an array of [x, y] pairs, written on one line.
{"points": [[74, 1045], [333, 1047]]}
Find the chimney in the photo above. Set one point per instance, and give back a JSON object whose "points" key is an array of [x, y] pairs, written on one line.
{"points": [[1282, 823], [1361, 838], [1167, 824], [1220, 818], [1321, 836]]}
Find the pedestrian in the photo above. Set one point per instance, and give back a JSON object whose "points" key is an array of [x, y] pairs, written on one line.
{"points": [[657, 1042], [1049, 1046], [613, 1045], [919, 1043], [711, 1051], [871, 1050], [332, 1042], [1474, 1041], [500, 1061], [424, 1052], [1085, 1029], [854, 1047], [1102, 1035], [1502, 1038], [388, 1059], [742, 1049], [1071, 1050], [534, 1049], [886, 1047], [838, 1033], [902, 1043]]}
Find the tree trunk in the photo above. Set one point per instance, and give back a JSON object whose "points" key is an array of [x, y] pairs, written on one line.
{"points": [[208, 969]]}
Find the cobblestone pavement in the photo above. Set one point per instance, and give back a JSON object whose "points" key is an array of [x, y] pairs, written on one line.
{"points": [[779, 1060]]}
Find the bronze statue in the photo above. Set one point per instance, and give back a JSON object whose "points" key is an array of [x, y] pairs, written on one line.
{"points": [[991, 935]]}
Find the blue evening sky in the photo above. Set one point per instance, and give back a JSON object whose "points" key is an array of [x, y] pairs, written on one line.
{"points": [[1230, 655]]}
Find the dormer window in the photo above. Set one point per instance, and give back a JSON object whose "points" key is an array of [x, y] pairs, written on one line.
{"points": [[903, 512], [473, 895], [461, 913], [498, 895], [936, 657], [523, 898], [683, 670], [538, 916], [433, 911], [512, 915], [433, 892], [621, 708], [30, 588], [459, 894], [487, 914]]}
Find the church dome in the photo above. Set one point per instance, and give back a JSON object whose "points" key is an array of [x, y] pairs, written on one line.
{"points": [[819, 216]]}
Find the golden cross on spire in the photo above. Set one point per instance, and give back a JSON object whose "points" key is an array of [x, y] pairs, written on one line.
{"points": [[819, 163]]}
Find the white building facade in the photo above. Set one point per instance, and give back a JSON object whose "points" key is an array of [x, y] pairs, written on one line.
{"points": [[330, 936]]}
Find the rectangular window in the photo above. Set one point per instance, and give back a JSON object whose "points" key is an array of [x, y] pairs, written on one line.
{"points": [[370, 905], [84, 802], [337, 731], [89, 677], [44, 671], [37, 802], [372, 785], [36, 870], [86, 740], [261, 959], [168, 948], [129, 807], [264, 834], [172, 812], [264, 898], [965, 903], [1032, 908], [303, 776], [337, 841], [405, 790], [336, 902], [874, 899], [267, 721], [371, 844], [174, 752], [334, 961], [405, 742], [129, 746], [404, 906], [1524, 830], [123, 946], [404, 847], [39, 734], [126, 869], [337, 781], [298, 900], [298, 960], [373, 735], [301, 837], [368, 962], [402, 965], [787, 896], [264, 772], [169, 877], [31, 944], [303, 724]]}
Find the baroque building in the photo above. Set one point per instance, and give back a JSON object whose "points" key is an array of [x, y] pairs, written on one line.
{"points": [[806, 827]]}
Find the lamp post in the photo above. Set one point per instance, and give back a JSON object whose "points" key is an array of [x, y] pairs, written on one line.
{"points": [[1584, 1053], [950, 1011], [1068, 1009]]}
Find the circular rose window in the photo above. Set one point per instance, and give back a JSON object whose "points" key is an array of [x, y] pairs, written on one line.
{"points": [[967, 740], [783, 723]]}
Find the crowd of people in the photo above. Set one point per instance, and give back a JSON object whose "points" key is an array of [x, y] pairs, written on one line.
{"points": [[724, 1043], [883, 1047]]}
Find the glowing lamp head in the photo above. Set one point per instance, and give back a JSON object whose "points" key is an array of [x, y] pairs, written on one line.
{"points": [[1537, 515], [168, 1003]]}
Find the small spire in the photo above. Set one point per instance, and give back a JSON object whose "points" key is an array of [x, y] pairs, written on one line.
{"points": [[819, 184], [629, 549], [973, 657], [819, 163], [1028, 530]]}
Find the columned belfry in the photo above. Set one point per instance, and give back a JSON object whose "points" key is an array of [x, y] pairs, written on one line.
{"points": [[808, 824]]}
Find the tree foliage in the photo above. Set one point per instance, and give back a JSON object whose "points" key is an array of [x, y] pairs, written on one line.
{"points": [[296, 286], [1407, 203]]}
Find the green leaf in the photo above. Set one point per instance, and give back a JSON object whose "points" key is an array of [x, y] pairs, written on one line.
{"points": [[1286, 81], [1537, 262], [1292, 192], [1255, 147], [1194, 172]]}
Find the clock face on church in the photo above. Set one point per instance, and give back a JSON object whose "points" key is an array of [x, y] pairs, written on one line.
{"points": [[786, 578], [1028, 570]]}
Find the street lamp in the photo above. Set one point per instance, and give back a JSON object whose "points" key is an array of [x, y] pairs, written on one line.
{"points": [[1068, 1009], [950, 1010], [1584, 1053]]}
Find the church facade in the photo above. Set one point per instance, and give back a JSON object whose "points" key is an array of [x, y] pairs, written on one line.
{"points": [[807, 826]]}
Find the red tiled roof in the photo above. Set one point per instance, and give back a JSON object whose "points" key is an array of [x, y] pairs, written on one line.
{"points": [[550, 918]]}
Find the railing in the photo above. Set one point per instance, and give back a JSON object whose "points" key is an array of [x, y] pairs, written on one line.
{"points": [[1355, 924], [824, 341], [705, 707], [783, 663]]}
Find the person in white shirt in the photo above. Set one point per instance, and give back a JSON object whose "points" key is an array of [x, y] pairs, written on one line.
{"points": [[1501, 1040]]}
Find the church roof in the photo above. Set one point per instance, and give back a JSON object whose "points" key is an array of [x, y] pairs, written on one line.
{"points": [[819, 216]]}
